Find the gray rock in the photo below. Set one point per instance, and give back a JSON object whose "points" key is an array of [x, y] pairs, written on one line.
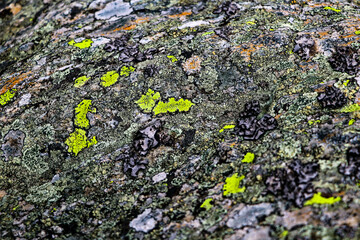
{"points": [[13, 144], [146, 221], [248, 216], [159, 177], [258, 234], [114, 9]]}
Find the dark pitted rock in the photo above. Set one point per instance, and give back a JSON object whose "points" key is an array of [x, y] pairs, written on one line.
{"points": [[305, 47], [332, 98], [345, 59], [352, 169], [229, 8], [150, 71], [251, 128], [293, 183]]}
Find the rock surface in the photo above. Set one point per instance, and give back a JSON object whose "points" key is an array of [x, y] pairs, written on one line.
{"points": [[128, 119]]}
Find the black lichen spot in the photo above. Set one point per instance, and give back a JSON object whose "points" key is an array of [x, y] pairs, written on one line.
{"points": [[229, 8], [134, 164], [345, 231], [345, 59], [352, 169], [74, 73], [146, 55], [224, 33], [118, 44], [150, 71], [13, 144], [74, 11], [131, 162], [305, 47], [251, 128], [5, 13], [146, 139], [293, 183], [129, 53], [332, 98], [189, 138]]}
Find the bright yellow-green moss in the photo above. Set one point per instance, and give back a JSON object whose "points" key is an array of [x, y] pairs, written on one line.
{"points": [[125, 71], [250, 23], [248, 158], [80, 113], [207, 205], [77, 141], [226, 127], [207, 33], [7, 96], [346, 83], [357, 32], [351, 122], [172, 58], [333, 9], [351, 108], [172, 105], [284, 233], [80, 81], [232, 184], [318, 199], [184, 105], [83, 44], [311, 122], [109, 78], [147, 101], [161, 107]]}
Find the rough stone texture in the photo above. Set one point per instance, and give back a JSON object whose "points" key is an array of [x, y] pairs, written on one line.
{"points": [[248, 216], [277, 79]]}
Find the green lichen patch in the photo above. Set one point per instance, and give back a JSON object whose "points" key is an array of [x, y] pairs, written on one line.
{"points": [[318, 199], [125, 71], [80, 81], [109, 78], [161, 107], [172, 58], [172, 106], [226, 127], [350, 108], [7, 96], [80, 113], [232, 185], [248, 158], [333, 9], [86, 43], [206, 204], [147, 101], [77, 141]]}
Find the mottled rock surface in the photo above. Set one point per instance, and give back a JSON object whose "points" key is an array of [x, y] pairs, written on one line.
{"points": [[181, 119]]}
